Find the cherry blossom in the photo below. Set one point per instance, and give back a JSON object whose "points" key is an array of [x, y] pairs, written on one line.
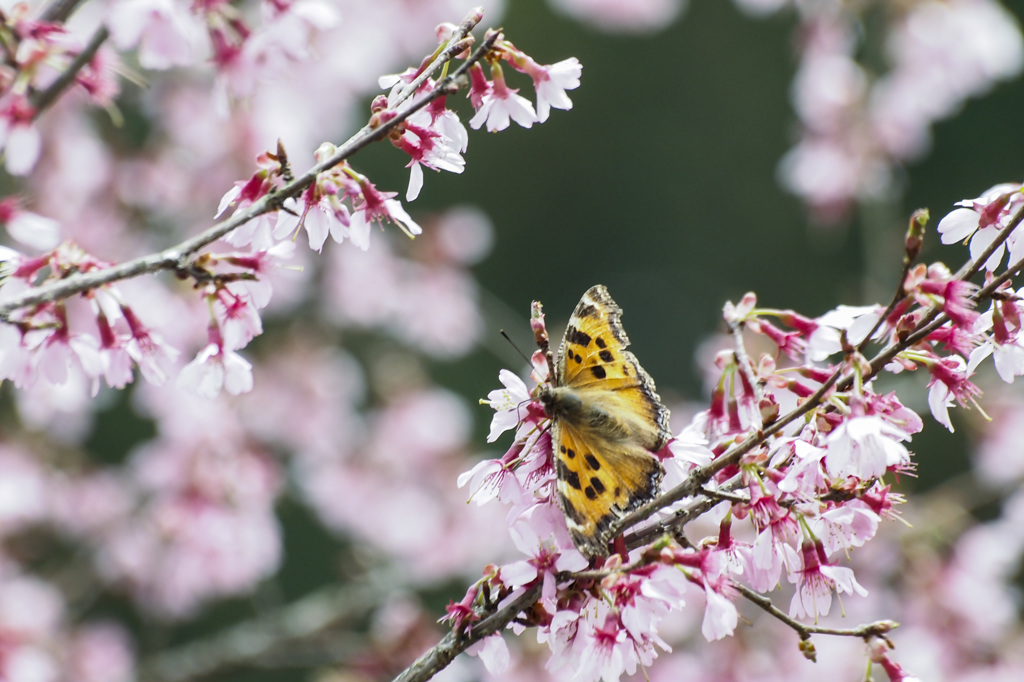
{"points": [[506, 403], [788, 464], [379, 207], [29, 228], [216, 368], [864, 448], [19, 137], [981, 220], [433, 137], [816, 579], [167, 33], [499, 104]]}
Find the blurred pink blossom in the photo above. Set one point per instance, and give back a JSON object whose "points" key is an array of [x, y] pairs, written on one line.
{"points": [[624, 16]]}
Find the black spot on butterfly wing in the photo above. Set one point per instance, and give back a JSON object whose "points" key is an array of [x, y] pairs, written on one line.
{"points": [[575, 336], [568, 475]]}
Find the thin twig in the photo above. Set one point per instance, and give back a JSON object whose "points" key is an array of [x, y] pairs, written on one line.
{"points": [[897, 296], [935, 319], [726, 496], [449, 52], [452, 644], [679, 518], [746, 367], [876, 629], [253, 641], [179, 257], [43, 99], [60, 10]]}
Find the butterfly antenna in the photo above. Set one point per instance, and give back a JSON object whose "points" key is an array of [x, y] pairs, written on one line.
{"points": [[518, 349]]}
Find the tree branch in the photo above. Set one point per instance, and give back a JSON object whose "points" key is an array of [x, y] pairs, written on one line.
{"points": [[876, 629], [179, 257], [252, 641], [60, 10], [453, 644], [43, 99], [929, 322], [443, 653]]}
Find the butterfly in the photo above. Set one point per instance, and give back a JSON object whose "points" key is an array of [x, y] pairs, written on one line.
{"points": [[606, 421]]}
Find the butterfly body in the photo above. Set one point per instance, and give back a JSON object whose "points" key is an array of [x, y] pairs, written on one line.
{"points": [[607, 420]]}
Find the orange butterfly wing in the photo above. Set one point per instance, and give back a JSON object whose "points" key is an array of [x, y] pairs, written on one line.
{"points": [[607, 419]]}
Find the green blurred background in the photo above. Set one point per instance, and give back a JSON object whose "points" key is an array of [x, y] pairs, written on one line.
{"points": [[661, 183]]}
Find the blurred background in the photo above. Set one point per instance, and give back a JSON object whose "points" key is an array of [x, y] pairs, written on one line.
{"points": [[664, 184], [313, 529]]}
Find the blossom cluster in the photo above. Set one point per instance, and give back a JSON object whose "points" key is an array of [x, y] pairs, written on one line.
{"points": [[185, 511], [191, 516], [38, 52], [789, 459], [859, 121], [236, 285]]}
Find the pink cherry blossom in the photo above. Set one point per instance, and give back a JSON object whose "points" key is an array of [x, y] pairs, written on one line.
{"points": [[153, 356], [433, 137], [603, 650], [550, 81], [380, 207], [865, 448], [216, 368], [547, 559], [321, 214], [492, 478], [114, 357], [19, 137], [844, 527], [493, 652], [981, 220], [949, 383], [167, 33], [60, 350], [235, 312], [720, 616], [1004, 342], [508, 404], [500, 104], [815, 579], [29, 228]]}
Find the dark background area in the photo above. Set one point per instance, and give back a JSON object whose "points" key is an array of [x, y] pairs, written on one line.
{"points": [[661, 183]]}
